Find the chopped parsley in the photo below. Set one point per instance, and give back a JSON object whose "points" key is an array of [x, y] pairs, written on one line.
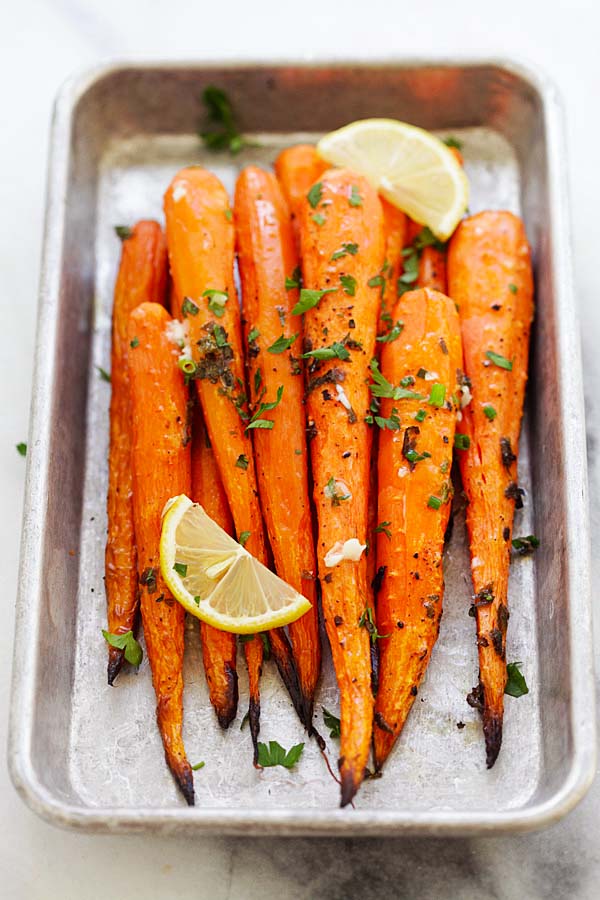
{"points": [[377, 281], [501, 361], [282, 343], [294, 280], [392, 423], [198, 766], [382, 387], [243, 538], [216, 301], [181, 569], [453, 142], [421, 415], [315, 194], [309, 299], [22, 449], [189, 308], [393, 333], [490, 412], [383, 528], [134, 343], [347, 247], [332, 722], [229, 215], [256, 421], [242, 461], [434, 502], [224, 133], [355, 199], [104, 375], [253, 334], [337, 349], [123, 232], [413, 456], [274, 754], [333, 493], [367, 620], [526, 544], [516, 686], [319, 219], [126, 642], [348, 282], [462, 441], [513, 288]]}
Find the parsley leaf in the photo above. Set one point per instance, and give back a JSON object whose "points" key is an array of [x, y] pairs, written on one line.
{"points": [[355, 199], [181, 569], [391, 335], [332, 722], [276, 755], [319, 219], [383, 388], [123, 232], [227, 136], [134, 343], [256, 421], [126, 642], [309, 299], [513, 288], [516, 686], [348, 282], [347, 247], [282, 343], [367, 620], [243, 538], [315, 194], [104, 375], [490, 412], [294, 280], [462, 441], [242, 461], [337, 349], [383, 528], [453, 142], [189, 308], [501, 361], [253, 334], [22, 449], [526, 544]]}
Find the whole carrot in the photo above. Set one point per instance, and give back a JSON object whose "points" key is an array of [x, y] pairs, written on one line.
{"points": [[218, 647], [489, 277], [418, 387], [297, 169], [160, 462], [394, 231], [341, 300], [142, 277], [200, 238], [268, 259]]}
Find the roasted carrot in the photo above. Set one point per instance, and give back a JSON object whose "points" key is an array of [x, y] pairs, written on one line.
{"points": [[419, 387], [268, 260], [218, 647], [394, 230], [142, 277], [200, 238], [489, 276], [340, 329], [160, 462], [297, 169]]}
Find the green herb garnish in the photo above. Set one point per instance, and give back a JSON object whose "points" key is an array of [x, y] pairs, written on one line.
{"points": [[367, 620], [526, 544], [355, 199], [275, 755], [216, 301], [256, 421], [383, 388], [189, 308], [453, 142], [242, 461], [516, 686], [434, 502], [198, 766], [309, 299], [295, 280], [421, 415], [513, 288], [104, 375], [391, 335], [22, 449], [383, 528], [253, 334], [348, 282], [347, 247], [501, 361], [462, 441], [332, 722], [490, 412], [243, 538], [337, 349], [181, 569], [319, 219], [134, 343], [123, 232], [282, 343], [226, 136], [126, 642], [437, 395], [315, 194]]}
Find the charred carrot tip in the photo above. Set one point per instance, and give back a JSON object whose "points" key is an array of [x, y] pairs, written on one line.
{"points": [[115, 663], [492, 732], [349, 786], [227, 712], [182, 773], [254, 722]]}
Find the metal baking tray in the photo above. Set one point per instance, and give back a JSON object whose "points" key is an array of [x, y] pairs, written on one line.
{"points": [[88, 756]]}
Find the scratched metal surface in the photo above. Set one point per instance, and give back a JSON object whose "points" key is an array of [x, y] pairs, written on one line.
{"points": [[115, 755], [86, 755]]}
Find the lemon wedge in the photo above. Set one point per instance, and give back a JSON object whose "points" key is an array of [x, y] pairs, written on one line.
{"points": [[216, 579], [410, 167]]}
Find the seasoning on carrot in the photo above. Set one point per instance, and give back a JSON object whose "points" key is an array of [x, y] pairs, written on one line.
{"points": [[341, 307], [160, 461], [218, 647], [200, 238], [267, 258], [418, 385], [142, 277], [298, 169], [490, 278]]}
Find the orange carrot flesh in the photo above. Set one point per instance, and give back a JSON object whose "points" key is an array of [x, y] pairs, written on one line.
{"points": [[415, 493], [200, 240], [218, 647], [338, 398], [160, 461], [297, 169], [142, 277], [490, 278], [394, 230], [267, 257], [432, 270]]}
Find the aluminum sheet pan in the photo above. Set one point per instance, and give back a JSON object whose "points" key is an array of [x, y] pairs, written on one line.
{"points": [[86, 755]]}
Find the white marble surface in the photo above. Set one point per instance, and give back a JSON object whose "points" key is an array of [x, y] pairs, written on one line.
{"points": [[41, 42]]}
